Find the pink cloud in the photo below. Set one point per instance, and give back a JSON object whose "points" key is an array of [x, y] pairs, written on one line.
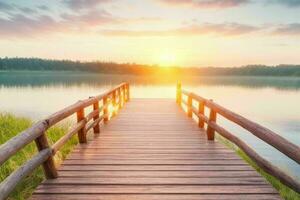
{"points": [[91, 18], [202, 4], [288, 29], [84, 4], [226, 29], [22, 26]]}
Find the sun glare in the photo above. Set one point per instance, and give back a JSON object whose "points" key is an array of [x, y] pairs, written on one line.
{"points": [[167, 59]]}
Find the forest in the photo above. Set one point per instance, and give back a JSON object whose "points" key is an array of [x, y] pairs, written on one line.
{"points": [[37, 64]]}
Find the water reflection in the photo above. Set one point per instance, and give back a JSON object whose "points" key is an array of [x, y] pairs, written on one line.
{"points": [[78, 78]]}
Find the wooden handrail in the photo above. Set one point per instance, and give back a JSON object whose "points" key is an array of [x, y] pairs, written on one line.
{"points": [[12, 180], [283, 145], [37, 133]]}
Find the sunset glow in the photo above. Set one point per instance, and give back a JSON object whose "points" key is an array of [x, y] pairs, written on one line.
{"points": [[167, 59], [161, 32]]}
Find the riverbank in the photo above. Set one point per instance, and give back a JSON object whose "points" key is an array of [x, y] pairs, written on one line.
{"points": [[10, 126]]}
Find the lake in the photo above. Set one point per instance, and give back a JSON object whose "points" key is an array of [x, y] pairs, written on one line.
{"points": [[269, 101]]}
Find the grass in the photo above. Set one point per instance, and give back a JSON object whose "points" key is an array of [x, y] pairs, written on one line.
{"points": [[10, 126], [284, 191]]}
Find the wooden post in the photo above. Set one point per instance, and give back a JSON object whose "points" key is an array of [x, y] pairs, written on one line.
{"points": [[213, 118], [82, 131], [48, 166], [178, 94], [105, 109], [97, 126], [189, 106], [120, 98], [201, 112], [114, 103], [127, 92], [123, 95]]}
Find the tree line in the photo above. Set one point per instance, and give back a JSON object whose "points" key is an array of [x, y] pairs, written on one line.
{"points": [[37, 64]]}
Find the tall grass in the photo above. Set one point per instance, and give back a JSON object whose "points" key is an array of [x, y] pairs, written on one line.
{"points": [[10, 126], [284, 191]]}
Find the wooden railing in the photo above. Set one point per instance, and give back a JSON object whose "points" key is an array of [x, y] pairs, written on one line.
{"points": [[115, 97], [289, 149]]}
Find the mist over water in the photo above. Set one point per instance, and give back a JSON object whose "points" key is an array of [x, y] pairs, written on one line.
{"points": [[270, 101]]}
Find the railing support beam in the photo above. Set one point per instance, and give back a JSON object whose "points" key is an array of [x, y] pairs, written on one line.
{"points": [[210, 130], [178, 94], [114, 103], [127, 92], [97, 126], [120, 98], [123, 95], [105, 109], [48, 166], [200, 112], [189, 106], [82, 131]]}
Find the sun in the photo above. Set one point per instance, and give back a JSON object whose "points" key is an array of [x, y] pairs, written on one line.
{"points": [[167, 59]]}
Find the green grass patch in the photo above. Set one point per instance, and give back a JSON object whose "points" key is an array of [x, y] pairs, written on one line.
{"points": [[284, 191], [10, 126]]}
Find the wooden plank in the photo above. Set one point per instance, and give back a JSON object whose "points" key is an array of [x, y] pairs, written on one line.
{"points": [[157, 197], [161, 174], [156, 162], [158, 189], [156, 181], [154, 157], [158, 167], [151, 151]]}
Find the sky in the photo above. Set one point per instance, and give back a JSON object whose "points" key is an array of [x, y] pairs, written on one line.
{"points": [[188, 33]]}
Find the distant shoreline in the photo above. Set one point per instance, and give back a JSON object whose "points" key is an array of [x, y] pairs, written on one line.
{"points": [[44, 65], [66, 72]]}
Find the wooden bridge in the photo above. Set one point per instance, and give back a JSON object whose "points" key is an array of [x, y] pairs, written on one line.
{"points": [[148, 150]]}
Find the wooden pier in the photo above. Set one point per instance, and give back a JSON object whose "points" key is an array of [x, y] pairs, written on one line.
{"points": [[150, 150]]}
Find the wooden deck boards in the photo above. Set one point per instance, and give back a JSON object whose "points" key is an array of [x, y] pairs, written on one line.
{"points": [[151, 150]]}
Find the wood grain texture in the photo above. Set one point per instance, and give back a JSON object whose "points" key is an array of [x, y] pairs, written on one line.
{"points": [[157, 197], [151, 151]]}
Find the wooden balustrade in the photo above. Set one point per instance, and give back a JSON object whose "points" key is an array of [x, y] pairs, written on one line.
{"points": [[38, 134], [286, 147]]}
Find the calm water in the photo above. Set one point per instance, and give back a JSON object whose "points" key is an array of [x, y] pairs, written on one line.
{"points": [[272, 102]]}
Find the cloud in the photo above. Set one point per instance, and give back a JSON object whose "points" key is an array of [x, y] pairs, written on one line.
{"points": [[77, 5], [94, 18], [19, 25], [27, 10], [202, 4], [288, 3], [43, 7], [288, 29], [91, 18], [6, 6], [226, 29], [13, 8]]}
